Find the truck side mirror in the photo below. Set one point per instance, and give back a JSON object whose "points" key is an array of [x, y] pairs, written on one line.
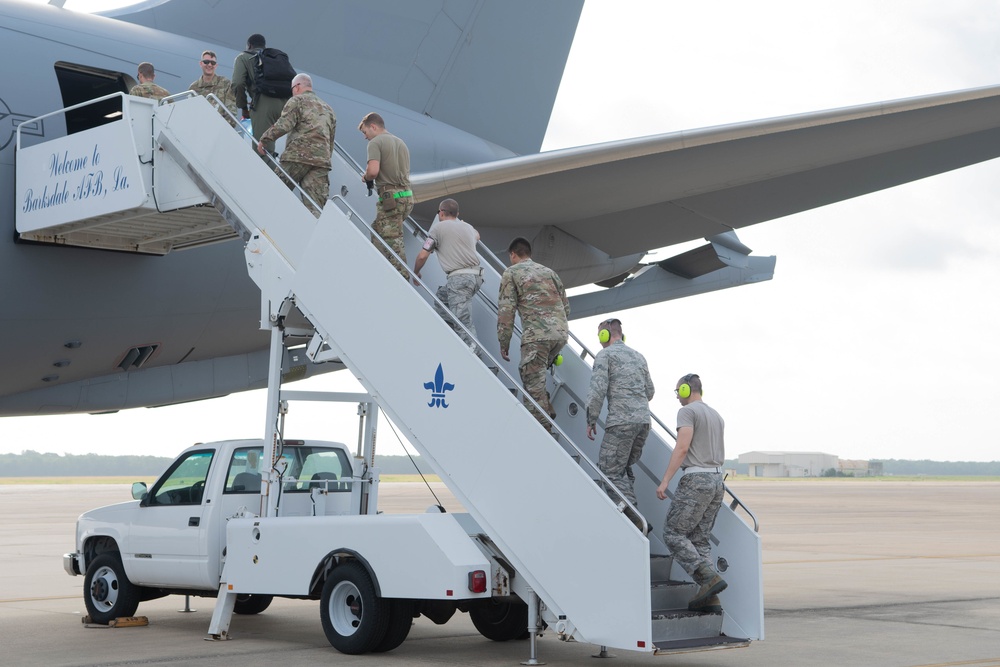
{"points": [[139, 490]]}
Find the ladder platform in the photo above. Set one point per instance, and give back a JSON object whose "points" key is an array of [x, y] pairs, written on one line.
{"points": [[703, 644], [98, 189], [139, 231]]}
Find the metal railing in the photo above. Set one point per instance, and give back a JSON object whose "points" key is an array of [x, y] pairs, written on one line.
{"points": [[563, 439], [268, 157]]}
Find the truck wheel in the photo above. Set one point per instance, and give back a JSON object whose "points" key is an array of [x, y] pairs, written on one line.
{"points": [[107, 592], [252, 604], [354, 617], [501, 621], [400, 622]]}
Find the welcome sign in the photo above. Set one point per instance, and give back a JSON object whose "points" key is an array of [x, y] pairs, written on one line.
{"points": [[85, 175]]}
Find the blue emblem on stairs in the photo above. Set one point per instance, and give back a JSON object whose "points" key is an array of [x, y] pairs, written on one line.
{"points": [[438, 387]]}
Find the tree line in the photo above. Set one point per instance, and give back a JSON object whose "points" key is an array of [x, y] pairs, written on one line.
{"points": [[35, 464]]}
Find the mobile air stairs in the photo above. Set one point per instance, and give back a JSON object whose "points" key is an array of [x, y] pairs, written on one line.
{"points": [[579, 557]]}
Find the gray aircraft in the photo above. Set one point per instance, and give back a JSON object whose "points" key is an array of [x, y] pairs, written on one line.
{"points": [[93, 322]]}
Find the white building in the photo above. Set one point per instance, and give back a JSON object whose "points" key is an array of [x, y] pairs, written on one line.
{"points": [[788, 464]]}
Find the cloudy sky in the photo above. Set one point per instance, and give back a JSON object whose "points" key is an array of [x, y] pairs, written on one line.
{"points": [[877, 336]]}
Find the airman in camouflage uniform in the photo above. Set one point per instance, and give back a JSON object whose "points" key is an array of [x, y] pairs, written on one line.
{"points": [[699, 454], [310, 124], [210, 83], [146, 87], [620, 374], [389, 167], [537, 294]]}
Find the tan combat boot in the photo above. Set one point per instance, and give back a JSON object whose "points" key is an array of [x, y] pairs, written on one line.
{"points": [[714, 584]]}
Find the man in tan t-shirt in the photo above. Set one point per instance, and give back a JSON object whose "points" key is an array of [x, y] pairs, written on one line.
{"points": [[699, 455], [389, 167], [455, 241]]}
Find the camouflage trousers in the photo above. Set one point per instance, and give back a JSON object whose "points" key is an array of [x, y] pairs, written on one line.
{"points": [[314, 181], [389, 225], [688, 526], [456, 294], [621, 448], [536, 357]]}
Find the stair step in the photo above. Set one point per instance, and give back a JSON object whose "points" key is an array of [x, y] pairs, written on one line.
{"points": [[659, 567], [671, 594], [678, 624], [702, 644]]}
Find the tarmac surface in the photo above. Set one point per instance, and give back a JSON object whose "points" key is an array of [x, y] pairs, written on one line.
{"points": [[856, 572]]}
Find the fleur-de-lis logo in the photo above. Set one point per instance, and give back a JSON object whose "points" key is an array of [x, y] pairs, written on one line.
{"points": [[438, 387]]}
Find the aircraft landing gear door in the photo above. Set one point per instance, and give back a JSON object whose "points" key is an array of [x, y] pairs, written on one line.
{"points": [[169, 535]]}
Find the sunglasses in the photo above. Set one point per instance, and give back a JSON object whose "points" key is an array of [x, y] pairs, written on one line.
{"points": [[209, 62]]}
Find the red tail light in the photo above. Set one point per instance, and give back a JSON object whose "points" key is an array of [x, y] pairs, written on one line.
{"points": [[477, 581]]}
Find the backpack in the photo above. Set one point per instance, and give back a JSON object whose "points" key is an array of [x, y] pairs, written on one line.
{"points": [[272, 73]]}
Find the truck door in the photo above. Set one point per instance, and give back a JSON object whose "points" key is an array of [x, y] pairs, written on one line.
{"points": [[168, 543]]}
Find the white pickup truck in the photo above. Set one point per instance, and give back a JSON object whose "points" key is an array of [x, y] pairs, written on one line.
{"points": [[199, 528]]}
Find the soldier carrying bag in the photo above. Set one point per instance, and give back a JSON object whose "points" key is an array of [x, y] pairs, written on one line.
{"points": [[272, 73]]}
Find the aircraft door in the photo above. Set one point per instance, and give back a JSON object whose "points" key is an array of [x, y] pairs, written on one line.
{"points": [[82, 83]]}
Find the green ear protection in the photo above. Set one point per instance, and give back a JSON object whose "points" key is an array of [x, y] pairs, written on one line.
{"points": [[604, 335], [684, 391]]}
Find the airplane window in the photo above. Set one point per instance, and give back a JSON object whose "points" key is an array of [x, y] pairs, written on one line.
{"points": [[80, 83]]}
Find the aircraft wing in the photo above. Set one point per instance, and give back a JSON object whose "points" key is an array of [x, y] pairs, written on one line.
{"points": [[636, 195]]}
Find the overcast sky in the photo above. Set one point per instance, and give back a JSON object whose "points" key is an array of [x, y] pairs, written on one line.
{"points": [[877, 336]]}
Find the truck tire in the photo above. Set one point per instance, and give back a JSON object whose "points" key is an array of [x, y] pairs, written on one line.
{"points": [[107, 592], [354, 617], [501, 621], [252, 604], [400, 622]]}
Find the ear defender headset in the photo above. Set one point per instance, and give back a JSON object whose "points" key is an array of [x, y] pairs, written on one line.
{"points": [[604, 335], [684, 391]]}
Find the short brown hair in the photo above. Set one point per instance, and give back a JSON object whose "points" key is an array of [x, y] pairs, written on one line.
{"points": [[146, 69], [372, 119], [209, 53]]}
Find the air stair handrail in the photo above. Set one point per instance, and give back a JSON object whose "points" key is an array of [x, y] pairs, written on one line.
{"points": [[564, 440], [74, 107], [274, 162], [736, 502]]}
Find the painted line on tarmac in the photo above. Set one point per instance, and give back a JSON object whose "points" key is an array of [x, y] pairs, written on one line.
{"points": [[988, 662], [877, 558], [42, 599]]}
